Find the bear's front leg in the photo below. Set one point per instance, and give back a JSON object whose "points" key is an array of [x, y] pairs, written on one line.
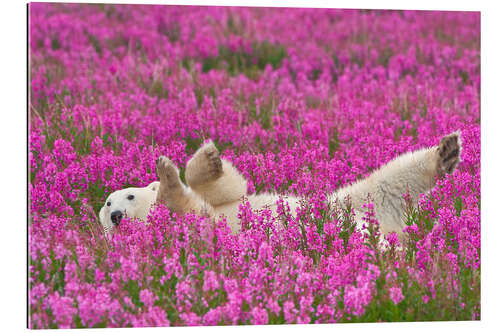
{"points": [[171, 188], [174, 194]]}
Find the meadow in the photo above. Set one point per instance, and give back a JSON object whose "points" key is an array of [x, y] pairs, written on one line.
{"points": [[301, 101]]}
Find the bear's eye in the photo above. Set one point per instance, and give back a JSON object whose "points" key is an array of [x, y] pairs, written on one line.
{"points": [[108, 203], [130, 197]]}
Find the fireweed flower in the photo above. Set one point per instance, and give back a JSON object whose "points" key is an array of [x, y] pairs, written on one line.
{"points": [[259, 316], [395, 294]]}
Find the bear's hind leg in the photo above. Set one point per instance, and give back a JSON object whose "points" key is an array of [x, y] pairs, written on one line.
{"points": [[449, 154], [412, 173], [204, 167], [216, 181], [174, 194]]}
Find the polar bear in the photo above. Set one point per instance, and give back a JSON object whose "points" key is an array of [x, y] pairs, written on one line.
{"points": [[215, 188]]}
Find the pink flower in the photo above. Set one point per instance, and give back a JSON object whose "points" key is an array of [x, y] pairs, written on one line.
{"points": [[211, 282], [396, 294], [290, 312], [212, 317], [147, 297], [259, 316], [63, 310], [190, 319]]}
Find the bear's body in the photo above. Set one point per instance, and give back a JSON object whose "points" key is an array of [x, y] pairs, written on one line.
{"points": [[215, 188]]}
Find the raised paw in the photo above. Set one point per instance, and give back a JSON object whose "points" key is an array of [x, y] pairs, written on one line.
{"points": [[213, 161], [449, 153], [168, 173], [205, 166]]}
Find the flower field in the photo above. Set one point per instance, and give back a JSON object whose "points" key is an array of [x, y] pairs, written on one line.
{"points": [[301, 101]]}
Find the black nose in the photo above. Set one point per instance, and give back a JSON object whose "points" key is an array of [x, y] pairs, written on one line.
{"points": [[116, 217]]}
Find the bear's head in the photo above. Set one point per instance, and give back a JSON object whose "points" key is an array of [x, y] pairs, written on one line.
{"points": [[134, 202]]}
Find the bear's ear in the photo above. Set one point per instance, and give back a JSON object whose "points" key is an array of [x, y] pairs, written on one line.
{"points": [[154, 186]]}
